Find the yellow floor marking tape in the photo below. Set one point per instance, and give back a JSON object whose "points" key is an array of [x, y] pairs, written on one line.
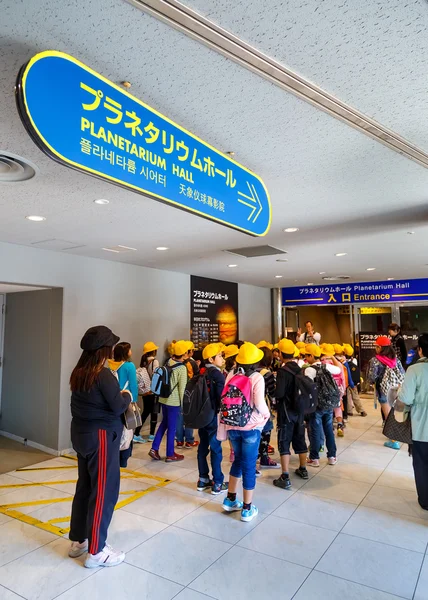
{"points": [[130, 496], [45, 469]]}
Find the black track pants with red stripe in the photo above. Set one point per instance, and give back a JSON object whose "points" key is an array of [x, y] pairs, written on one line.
{"points": [[97, 488]]}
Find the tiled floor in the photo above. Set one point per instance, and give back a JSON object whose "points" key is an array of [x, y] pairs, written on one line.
{"points": [[352, 532]]}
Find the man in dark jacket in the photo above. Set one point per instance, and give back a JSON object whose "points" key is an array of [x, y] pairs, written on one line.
{"points": [[291, 429], [398, 343], [213, 356]]}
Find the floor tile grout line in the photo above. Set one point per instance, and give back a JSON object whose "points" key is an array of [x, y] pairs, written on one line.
{"points": [[78, 583], [9, 590], [359, 537], [420, 572]]}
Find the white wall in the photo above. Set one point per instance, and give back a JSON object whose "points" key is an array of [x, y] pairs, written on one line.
{"points": [[138, 303]]}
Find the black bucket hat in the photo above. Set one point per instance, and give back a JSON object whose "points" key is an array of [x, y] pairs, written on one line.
{"points": [[97, 337]]}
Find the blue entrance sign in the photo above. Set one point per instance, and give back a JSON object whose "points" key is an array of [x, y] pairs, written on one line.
{"points": [[403, 290], [82, 120]]}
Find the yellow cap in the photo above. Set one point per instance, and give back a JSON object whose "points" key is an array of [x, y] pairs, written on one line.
{"points": [[301, 345], [348, 349], [275, 347], [190, 345], [249, 354], [180, 348], [264, 344], [313, 349], [338, 349], [286, 346], [212, 350], [327, 349], [149, 347], [297, 353], [231, 350], [171, 347]]}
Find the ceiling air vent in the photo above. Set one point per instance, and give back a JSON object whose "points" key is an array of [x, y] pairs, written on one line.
{"points": [[14, 169], [255, 251], [337, 278]]}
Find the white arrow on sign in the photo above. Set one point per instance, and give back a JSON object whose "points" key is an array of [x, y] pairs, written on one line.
{"points": [[255, 201]]}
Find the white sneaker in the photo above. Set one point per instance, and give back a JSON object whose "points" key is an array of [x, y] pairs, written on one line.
{"points": [[106, 558], [332, 460], [78, 549]]}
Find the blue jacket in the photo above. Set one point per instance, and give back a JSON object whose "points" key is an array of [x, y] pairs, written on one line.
{"points": [[126, 374]]}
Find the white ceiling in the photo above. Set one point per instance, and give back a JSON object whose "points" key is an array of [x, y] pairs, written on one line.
{"points": [[346, 192]]}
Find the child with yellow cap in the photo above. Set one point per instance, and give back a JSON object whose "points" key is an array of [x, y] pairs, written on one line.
{"points": [[328, 357], [353, 397], [209, 444], [148, 365]]}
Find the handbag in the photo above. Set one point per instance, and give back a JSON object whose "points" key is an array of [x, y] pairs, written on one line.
{"points": [[132, 415], [126, 438], [397, 430]]}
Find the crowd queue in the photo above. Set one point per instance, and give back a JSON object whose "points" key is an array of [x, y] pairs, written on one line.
{"points": [[237, 393]]}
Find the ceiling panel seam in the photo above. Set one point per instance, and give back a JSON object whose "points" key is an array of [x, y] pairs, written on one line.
{"points": [[200, 28]]}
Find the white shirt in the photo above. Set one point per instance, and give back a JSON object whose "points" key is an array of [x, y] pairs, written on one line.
{"points": [[306, 337], [312, 372]]}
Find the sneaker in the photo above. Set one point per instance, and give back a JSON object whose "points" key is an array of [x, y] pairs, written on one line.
{"points": [[219, 488], [139, 440], [340, 432], [194, 444], [363, 414], [154, 454], [78, 549], [180, 444], [350, 414], [313, 462], [231, 506], [302, 472], [201, 486], [392, 444], [106, 558], [282, 482], [258, 474], [271, 450], [174, 458], [248, 514], [151, 438], [232, 456], [268, 463], [332, 460]]}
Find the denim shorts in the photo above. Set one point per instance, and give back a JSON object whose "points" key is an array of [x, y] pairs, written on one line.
{"points": [[246, 448], [292, 432]]}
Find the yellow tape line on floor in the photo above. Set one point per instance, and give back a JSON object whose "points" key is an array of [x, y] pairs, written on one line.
{"points": [[9, 510]]}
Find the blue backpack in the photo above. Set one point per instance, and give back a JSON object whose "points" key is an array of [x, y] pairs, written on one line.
{"points": [[161, 380]]}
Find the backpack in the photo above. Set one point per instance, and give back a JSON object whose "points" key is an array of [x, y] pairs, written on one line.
{"points": [[305, 393], [392, 378], [355, 372], [161, 380], [198, 410], [329, 395], [235, 404]]}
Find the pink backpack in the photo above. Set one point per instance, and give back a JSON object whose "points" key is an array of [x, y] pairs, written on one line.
{"points": [[235, 404]]}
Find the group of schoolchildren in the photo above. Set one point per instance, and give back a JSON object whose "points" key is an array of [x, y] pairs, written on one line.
{"points": [[305, 385]]}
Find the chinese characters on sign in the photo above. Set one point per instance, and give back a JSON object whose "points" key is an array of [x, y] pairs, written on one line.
{"points": [[82, 120], [214, 311]]}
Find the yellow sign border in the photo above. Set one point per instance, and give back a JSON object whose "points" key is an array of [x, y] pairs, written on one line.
{"points": [[55, 53]]}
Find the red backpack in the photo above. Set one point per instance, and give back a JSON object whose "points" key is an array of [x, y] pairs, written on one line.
{"points": [[235, 404]]}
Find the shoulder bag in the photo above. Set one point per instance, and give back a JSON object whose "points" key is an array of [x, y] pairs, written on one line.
{"points": [[397, 430]]}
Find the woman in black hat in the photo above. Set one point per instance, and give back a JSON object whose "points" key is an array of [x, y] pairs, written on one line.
{"points": [[96, 428]]}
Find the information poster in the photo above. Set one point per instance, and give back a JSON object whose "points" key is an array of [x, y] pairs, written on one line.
{"points": [[366, 346], [214, 311]]}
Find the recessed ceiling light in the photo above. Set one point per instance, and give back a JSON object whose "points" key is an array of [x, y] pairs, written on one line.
{"points": [[111, 250], [310, 284], [162, 248], [322, 272], [291, 230], [36, 218], [282, 260], [278, 276], [341, 254], [232, 266], [410, 233], [127, 247], [102, 201], [371, 269], [390, 278]]}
